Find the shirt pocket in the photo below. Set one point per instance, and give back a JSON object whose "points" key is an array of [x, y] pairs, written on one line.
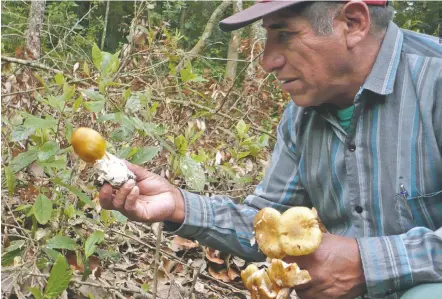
{"points": [[420, 209]]}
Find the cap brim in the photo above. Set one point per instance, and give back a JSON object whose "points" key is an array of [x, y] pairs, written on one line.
{"points": [[254, 13]]}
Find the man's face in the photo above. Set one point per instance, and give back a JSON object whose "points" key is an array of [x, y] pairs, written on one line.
{"points": [[312, 68]]}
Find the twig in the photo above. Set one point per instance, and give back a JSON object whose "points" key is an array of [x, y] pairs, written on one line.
{"points": [[157, 259], [195, 277], [118, 294], [37, 65], [214, 111]]}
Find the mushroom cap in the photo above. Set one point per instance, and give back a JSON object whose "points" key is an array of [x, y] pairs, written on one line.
{"points": [[266, 225], [287, 275], [299, 232], [247, 273]]}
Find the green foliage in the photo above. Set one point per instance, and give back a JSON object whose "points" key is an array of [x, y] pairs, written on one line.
{"points": [[59, 278], [42, 209], [420, 16], [91, 243]]}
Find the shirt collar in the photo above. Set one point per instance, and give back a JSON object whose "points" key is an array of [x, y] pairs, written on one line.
{"points": [[382, 76]]}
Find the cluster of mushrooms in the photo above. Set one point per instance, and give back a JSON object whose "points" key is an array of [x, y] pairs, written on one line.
{"points": [[295, 232]]}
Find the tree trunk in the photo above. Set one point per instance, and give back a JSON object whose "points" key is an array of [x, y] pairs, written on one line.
{"points": [[232, 53], [256, 43], [183, 18], [106, 18], [35, 23], [213, 20]]}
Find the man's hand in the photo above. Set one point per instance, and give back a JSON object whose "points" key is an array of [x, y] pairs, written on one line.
{"points": [[150, 199], [335, 268]]}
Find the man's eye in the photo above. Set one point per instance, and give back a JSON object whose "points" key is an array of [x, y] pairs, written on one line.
{"points": [[284, 36]]}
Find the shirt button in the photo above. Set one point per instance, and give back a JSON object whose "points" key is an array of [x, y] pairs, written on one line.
{"points": [[359, 209], [351, 147]]}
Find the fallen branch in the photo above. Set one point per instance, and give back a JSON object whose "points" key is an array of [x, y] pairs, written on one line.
{"points": [[37, 65]]}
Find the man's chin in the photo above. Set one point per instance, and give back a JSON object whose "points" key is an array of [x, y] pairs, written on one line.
{"points": [[304, 100]]}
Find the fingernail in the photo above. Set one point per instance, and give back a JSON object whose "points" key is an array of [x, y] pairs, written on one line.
{"points": [[130, 183]]}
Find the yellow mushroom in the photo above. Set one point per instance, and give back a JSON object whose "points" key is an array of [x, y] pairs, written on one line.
{"points": [[266, 225], [299, 232]]}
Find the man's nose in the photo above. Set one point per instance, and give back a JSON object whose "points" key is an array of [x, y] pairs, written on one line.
{"points": [[272, 60]]}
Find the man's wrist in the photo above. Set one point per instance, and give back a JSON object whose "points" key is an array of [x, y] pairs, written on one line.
{"points": [[179, 212]]}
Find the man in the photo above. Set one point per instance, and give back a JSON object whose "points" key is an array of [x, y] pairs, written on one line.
{"points": [[361, 142]]}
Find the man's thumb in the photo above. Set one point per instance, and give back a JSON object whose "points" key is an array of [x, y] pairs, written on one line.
{"points": [[139, 171]]}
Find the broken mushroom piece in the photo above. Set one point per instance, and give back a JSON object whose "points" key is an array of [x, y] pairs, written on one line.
{"points": [[266, 224], [299, 232], [259, 284], [287, 275], [90, 146]]}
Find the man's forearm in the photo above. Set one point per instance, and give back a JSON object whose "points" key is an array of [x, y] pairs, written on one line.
{"points": [[393, 263]]}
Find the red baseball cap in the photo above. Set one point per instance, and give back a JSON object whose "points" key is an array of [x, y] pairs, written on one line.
{"points": [[265, 7]]}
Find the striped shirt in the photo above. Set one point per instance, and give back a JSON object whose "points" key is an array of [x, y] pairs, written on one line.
{"points": [[353, 177]]}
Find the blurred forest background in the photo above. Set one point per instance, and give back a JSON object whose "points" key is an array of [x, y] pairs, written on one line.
{"points": [[169, 91]]}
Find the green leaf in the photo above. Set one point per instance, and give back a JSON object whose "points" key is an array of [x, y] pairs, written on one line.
{"points": [[62, 242], [48, 150], [8, 257], [56, 102], [94, 106], [181, 145], [133, 104], [59, 278], [145, 154], [36, 293], [54, 163], [145, 287], [86, 69], [126, 152], [96, 57], [42, 209], [121, 134], [22, 160], [93, 95], [51, 253], [20, 133], [126, 94], [18, 244], [97, 103], [193, 173], [59, 79], [77, 103], [68, 92], [39, 123], [241, 128], [119, 217], [10, 180], [91, 243], [114, 63], [82, 196]]}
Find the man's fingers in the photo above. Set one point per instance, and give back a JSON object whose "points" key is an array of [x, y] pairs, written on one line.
{"points": [[120, 197], [105, 195], [131, 200], [139, 171]]}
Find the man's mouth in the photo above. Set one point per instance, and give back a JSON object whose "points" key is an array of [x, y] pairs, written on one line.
{"points": [[289, 80]]}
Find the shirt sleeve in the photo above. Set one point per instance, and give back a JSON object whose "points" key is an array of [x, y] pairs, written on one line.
{"points": [[220, 223], [394, 263]]}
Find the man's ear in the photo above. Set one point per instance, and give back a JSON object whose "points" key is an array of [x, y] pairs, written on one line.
{"points": [[356, 18]]}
